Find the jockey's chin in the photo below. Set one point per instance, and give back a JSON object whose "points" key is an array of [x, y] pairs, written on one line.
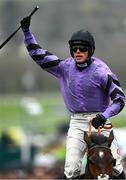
{"points": [[80, 59]]}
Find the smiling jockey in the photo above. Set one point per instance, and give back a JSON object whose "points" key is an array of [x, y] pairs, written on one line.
{"points": [[87, 85]]}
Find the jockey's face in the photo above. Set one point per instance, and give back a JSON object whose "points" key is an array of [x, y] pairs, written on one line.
{"points": [[80, 54]]}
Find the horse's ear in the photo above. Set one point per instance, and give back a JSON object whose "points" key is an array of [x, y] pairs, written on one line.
{"points": [[86, 137], [110, 138]]}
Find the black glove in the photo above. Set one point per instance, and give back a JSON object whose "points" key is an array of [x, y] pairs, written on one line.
{"points": [[99, 120], [25, 23]]}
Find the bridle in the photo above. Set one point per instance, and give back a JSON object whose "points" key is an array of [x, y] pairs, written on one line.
{"points": [[101, 176], [99, 146], [94, 146]]}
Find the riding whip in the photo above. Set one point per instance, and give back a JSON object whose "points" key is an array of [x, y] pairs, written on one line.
{"points": [[5, 42]]}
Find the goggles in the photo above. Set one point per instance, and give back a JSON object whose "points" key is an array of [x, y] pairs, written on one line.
{"points": [[80, 47]]}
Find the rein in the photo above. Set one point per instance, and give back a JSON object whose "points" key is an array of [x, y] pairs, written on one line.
{"points": [[99, 133], [95, 141], [90, 128]]}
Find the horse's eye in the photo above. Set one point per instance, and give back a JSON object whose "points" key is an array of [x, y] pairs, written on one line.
{"points": [[112, 161], [91, 161]]}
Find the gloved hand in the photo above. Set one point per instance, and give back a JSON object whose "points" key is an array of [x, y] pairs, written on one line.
{"points": [[25, 23], [99, 120]]}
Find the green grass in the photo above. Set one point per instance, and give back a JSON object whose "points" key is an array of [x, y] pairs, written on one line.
{"points": [[13, 114], [54, 113], [119, 120]]}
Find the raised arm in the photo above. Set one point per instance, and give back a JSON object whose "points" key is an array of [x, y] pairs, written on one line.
{"points": [[43, 58]]}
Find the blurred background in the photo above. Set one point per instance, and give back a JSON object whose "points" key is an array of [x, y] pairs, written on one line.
{"points": [[33, 118]]}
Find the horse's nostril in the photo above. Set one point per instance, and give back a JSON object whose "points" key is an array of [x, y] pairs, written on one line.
{"points": [[103, 177]]}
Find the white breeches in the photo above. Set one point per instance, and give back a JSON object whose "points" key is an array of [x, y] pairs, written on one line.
{"points": [[76, 147]]}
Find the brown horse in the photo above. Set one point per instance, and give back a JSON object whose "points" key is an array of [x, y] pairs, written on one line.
{"points": [[99, 157]]}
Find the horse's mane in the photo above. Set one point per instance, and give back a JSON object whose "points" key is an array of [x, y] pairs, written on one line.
{"points": [[98, 139]]}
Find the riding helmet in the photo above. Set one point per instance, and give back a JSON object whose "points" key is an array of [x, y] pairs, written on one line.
{"points": [[85, 38]]}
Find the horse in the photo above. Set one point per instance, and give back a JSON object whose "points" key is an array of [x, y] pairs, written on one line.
{"points": [[100, 160]]}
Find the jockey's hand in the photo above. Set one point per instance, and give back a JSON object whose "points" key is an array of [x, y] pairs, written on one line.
{"points": [[25, 23], [98, 121]]}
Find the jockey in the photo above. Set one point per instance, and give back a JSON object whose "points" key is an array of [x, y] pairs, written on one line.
{"points": [[87, 85]]}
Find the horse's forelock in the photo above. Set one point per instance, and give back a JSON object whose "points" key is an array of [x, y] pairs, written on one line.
{"points": [[98, 139]]}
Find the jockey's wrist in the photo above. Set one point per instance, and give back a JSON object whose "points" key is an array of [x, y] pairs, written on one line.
{"points": [[101, 117], [25, 30]]}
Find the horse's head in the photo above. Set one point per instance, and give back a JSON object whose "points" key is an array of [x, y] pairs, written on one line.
{"points": [[99, 159]]}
